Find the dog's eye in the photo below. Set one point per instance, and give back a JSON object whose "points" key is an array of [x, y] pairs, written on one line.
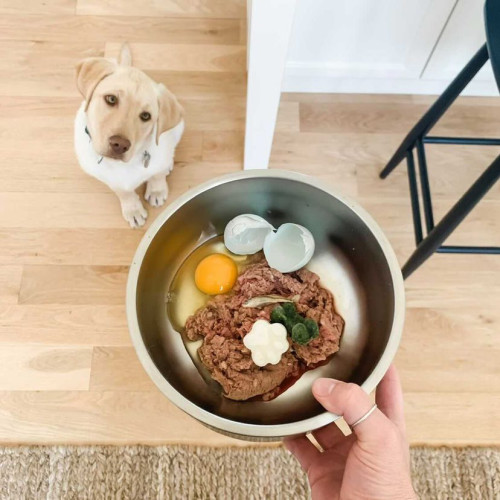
{"points": [[145, 116], [111, 99]]}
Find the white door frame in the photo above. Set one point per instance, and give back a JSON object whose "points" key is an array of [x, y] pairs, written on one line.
{"points": [[269, 24]]}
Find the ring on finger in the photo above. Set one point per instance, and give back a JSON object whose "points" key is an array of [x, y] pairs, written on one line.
{"points": [[364, 417]]}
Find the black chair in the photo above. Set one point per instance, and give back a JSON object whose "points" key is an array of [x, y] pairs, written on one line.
{"points": [[417, 138]]}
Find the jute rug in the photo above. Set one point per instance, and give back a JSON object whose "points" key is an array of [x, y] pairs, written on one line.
{"points": [[178, 472]]}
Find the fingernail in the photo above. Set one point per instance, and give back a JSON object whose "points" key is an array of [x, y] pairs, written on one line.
{"points": [[323, 387]]}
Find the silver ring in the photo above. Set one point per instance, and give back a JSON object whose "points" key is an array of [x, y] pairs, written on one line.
{"points": [[364, 417]]}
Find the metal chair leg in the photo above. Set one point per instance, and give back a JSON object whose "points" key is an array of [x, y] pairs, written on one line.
{"points": [[453, 218], [436, 111], [415, 203]]}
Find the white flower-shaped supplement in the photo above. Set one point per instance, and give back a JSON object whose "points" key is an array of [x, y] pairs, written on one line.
{"points": [[267, 342]]}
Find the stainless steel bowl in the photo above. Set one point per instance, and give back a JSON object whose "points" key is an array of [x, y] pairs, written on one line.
{"points": [[357, 261]]}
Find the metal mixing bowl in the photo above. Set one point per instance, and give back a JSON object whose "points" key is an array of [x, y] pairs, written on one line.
{"points": [[356, 258]]}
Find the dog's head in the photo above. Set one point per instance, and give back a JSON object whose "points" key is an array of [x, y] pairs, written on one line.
{"points": [[123, 106]]}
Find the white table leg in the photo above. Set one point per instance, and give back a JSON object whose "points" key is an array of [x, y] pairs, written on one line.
{"points": [[269, 28]]}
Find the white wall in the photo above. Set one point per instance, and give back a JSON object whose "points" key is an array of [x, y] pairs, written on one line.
{"points": [[463, 32], [394, 46]]}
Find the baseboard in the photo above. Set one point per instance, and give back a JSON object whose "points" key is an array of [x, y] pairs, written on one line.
{"points": [[302, 81]]}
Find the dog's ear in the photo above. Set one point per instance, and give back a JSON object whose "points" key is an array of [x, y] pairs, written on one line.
{"points": [[90, 72], [170, 112]]}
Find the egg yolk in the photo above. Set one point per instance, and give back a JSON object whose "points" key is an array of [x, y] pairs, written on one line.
{"points": [[216, 274]]}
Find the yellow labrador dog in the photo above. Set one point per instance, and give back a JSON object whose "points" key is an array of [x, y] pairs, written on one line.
{"points": [[126, 131]]}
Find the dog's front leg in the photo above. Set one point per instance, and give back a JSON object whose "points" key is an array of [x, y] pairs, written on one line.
{"points": [[156, 190], [133, 211]]}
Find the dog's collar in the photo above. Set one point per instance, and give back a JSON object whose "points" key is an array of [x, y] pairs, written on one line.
{"points": [[146, 156], [90, 140]]}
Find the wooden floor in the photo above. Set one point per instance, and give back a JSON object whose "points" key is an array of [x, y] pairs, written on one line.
{"points": [[68, 373]]}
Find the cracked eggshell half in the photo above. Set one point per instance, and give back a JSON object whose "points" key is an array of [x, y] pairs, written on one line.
{"points": [[290, 248], [245, 234]]}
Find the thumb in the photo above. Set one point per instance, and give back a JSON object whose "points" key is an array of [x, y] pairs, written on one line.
{"points": [[350, 401]]}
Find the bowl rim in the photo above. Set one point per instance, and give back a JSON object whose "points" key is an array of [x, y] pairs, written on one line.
{"points": [[233, 426]]}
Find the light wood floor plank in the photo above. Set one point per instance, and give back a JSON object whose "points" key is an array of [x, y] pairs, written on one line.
{"points": [[42, 212], [370, 152], [189, 175], [215, 114], [223, 146], [171, 8], [118, 418], [184, 57], [25, 367], [61, 28], [202, 85], [73, 285], [118, 369], [10, 283], [69, 246], [436, 339], [481, 226], [64, 325], [31, 68], [467, 163], [99, 417], [291, 148], [288, 119], [101, 211], [393, 118], [54, 7], [190, 149], [456, 418], [339, 177], [225, 113]]}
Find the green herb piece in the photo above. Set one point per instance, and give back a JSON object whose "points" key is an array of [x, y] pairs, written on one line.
{"points": [[289, 309], [300, 334], [312, 328], [302, 330], [278, 315], [289, 324]]}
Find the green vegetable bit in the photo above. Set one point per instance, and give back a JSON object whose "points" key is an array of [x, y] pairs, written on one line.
{"points": [[278, 315], [312, 328], [290, 310], [300, 334], [302, 330]]}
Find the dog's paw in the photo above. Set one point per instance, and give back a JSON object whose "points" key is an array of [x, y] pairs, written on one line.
{"points": [[156, 198], [135, 214], [156, 193]]}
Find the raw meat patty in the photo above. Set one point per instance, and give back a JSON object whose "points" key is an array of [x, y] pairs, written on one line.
{"points": [[223, 323]]}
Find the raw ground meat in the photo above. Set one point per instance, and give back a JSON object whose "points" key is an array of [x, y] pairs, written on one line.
{"points": [[223, 323], [230, 364]]}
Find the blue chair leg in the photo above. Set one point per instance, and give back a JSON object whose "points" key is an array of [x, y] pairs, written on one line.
{"points": [[437, 110]]}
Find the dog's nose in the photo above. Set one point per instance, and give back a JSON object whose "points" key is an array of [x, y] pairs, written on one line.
{"points": [[119, 144]]}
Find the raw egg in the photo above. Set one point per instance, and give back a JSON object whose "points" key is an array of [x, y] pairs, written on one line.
{"points": [[216, 274]]}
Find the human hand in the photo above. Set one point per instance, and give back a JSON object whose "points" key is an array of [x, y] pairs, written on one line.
{"points": [[373, 462]]}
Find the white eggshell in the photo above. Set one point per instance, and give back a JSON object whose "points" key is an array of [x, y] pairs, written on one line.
{"points": [[245, 234], [290, 248]]}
